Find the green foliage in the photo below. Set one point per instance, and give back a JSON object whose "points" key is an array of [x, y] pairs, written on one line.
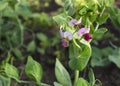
{"points": [[11, 31], [11, 71], [69, 6], [99, 33], [100, 56], [103, 57], [60, 2], [42, 20], [80, 62], [74, 51], [3, 5], [19, 23], [18, 53], [61, 19], [57, 84], [81, 82], [4, 81], [115, 57], [91, 77], [33, 70], [44, 43], [42, 37], [102, 19], [92, 14], [19, 10], [31, 46], [114, 16], [62, 75]]}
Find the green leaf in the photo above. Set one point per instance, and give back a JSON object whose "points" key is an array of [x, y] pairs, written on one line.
{"points": [[12, 71], [91, 77], [3, 5], [61, 19], [100, 56], [102, 19], [18, 53], [115, 57], [57, 84], [44, 41], [42, 37], [16, 37], [114, 16], [42, 20], [7, 59], [83, 10], [69, 6], [81, 82], [60, 2], [9, 12], [4, 81], [62, 75], [74, 50], [31, 46], [80, 62], [98, 61], [109, 3], [99, 33], [23, 10], [33, 70]]}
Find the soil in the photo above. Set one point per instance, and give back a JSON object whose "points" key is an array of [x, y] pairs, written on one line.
{"points": [[109, 76]]}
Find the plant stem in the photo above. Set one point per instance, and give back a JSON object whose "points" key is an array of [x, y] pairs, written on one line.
{"points": [[27, 82], [76, 77], [76, 43], [21, 28], [96, 28], [100, 16]]}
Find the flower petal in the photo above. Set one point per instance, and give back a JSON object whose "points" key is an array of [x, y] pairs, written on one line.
{"points": [[68, 35], [64, 43], [83, 31], [79, 21], [87, 36], [73, 22], [61, 33]]}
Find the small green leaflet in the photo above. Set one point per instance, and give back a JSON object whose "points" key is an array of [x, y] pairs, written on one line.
{"points": [[31, 46], [62, 75], [12, 72], [33, 70], [81, 82], [91, 77]]}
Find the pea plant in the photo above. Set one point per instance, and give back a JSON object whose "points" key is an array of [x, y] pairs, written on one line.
{"points": [[79, 24]]}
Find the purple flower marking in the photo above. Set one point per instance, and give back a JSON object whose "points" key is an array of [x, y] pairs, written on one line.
{"points": [[79, 21], [74, 22], [64, 43], [87, 37], [83, 31]]}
